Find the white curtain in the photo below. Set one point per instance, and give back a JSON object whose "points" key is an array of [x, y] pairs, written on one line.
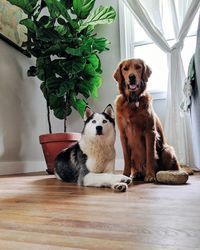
{"points": [[182, 12]]}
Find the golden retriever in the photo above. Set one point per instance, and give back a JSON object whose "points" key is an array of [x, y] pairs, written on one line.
{"points": [[144, 146]]}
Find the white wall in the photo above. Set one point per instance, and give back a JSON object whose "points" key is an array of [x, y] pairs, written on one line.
{"points": [[23, 111]]}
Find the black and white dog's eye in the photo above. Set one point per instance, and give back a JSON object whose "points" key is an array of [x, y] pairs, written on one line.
{"points": [[104, 121], [93, 121]]}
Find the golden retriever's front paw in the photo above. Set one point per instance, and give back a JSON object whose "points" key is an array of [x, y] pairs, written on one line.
{"points": [[138, 176], [150, 178]]}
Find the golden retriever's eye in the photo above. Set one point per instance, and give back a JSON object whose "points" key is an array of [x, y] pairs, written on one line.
{"points": [[138, 66], [93, 121], [104, 121], [125, 68]]}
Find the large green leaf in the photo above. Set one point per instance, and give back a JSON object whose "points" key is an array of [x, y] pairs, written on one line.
{"points": [[90, 70], [68, 3], [82, 8], [94, 84], [42, 72], [94, 61], [59, 86], [54, 68], [96, 81], [94, 92], [102, 15], [47, 35], [83, 50], [62, 7], [46, 22], [26, 5], [40, 68], [84, 90], [62, 30], [74, 51], [72, 67], [34, 49], [55, 101], [54, 49], [61, 90], [30, 25], [53, 83], [53, 10], [62, 111], [78, 104], [100, 44], [59, 112], [90, 87]]}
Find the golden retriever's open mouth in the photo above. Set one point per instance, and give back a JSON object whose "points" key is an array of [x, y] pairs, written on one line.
{"points": [[133, 87]]}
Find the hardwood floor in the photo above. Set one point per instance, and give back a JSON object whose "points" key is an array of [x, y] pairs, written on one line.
{"points": [[40, 212]]}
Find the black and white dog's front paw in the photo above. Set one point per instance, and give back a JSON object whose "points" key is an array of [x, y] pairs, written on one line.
{"points": [[120, 187], [121, 183], [123, 179]]}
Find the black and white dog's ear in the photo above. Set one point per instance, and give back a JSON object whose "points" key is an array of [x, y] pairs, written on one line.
{"points": [[88, 113], [109, 111]]}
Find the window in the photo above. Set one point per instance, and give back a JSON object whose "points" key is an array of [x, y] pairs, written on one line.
{"points": [[136, 43]]}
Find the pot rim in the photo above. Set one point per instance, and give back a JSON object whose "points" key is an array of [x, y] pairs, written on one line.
{"points": [[56, 137]]}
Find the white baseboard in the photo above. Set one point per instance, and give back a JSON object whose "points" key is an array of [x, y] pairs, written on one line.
{"points": [[19, 167]]}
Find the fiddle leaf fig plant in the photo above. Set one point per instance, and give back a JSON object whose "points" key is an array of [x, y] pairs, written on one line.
{"points": [[61, 36]]}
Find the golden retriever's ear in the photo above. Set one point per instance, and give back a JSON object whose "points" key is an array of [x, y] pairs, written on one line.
{"points": [[118, 74], [147, 72]]}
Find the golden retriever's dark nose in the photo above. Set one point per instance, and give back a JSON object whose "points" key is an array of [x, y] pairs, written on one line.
{"points": [[132, 79]]}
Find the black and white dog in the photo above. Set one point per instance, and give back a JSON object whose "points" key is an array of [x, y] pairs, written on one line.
{"points": [[91, 161]]}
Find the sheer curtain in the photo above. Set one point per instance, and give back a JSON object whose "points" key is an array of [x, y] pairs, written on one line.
{"points": [[150, 14]]}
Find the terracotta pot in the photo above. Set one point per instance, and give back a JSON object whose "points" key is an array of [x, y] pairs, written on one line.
{"points": [[53, 144]]}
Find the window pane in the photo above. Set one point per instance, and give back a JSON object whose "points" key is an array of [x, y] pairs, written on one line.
{"points": [[133, 28], [188, 51], [157, 60], [167, 24], [160, 14], [139, 34], [193, 28]]}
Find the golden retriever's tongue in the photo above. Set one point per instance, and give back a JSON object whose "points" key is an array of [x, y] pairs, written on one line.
{"points": [[132, 87]]}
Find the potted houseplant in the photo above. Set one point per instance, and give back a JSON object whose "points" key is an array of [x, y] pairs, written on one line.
{"points": [[61, 37]]}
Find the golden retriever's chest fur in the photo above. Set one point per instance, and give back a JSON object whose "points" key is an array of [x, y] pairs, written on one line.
{"points": [[133, 116]]}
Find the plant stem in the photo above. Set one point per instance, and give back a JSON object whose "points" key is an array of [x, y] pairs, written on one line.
{"points": [[65, 124], [48, 118], [47, 100], [65, 119]]}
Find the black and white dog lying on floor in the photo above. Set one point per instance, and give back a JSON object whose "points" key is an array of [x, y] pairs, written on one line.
{"points": [[91, 161]]}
